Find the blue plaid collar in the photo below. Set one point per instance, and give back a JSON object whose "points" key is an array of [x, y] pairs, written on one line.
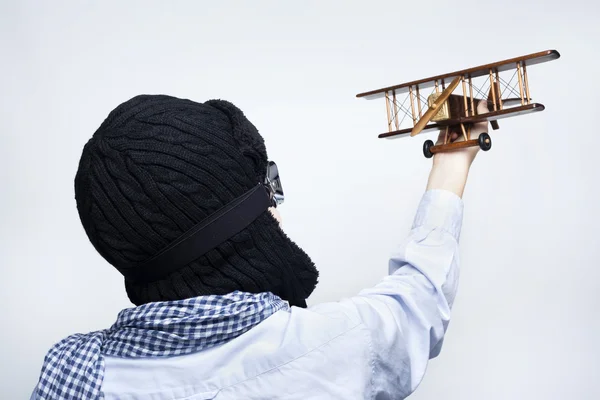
{"points": [[74, 367]]}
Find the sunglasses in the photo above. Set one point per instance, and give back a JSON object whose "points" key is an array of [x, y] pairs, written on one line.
{"points": [[273, 184]]}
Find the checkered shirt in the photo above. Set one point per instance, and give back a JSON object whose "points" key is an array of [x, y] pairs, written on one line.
{"points": [[74, 367]]}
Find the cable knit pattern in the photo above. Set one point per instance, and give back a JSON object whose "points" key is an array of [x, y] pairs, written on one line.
{"points": [[157, 166]]}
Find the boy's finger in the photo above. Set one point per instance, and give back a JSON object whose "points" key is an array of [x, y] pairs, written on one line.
{"points": [[479, 127], [482, 107]]}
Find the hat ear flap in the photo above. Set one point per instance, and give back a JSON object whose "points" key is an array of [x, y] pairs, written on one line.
{"points": [[250, 142]]}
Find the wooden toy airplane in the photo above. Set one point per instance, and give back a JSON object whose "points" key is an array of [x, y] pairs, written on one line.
{"points": [[449, 111]]}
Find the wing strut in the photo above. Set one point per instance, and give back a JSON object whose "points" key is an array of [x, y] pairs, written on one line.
{"points": [[435, 107]]}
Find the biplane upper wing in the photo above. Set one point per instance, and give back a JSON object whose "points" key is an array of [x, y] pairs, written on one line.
{"points": [[482, 70], [440, 108]]}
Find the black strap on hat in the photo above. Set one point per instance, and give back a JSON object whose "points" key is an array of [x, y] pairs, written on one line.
{"points": [[204, 236]]}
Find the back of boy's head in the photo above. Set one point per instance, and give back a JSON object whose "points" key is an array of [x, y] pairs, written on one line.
{"points": [[159, 165]]}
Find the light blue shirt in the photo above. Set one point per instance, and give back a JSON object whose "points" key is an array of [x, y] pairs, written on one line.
{"points": [[375, 345]]}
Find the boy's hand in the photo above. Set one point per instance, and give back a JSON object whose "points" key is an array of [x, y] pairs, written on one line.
{"points": [[450, 169], [466, 155]]}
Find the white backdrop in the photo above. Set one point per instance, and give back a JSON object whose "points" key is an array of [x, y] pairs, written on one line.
{"points": [[525, 323]]}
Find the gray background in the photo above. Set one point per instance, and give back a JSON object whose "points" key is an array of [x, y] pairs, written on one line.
{"points": [[525, 323]]}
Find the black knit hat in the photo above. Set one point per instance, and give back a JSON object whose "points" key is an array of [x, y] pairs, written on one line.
{"points": [[159, 165]]}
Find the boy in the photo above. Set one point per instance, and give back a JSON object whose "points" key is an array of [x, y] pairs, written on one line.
{"points": [[181, 199]]}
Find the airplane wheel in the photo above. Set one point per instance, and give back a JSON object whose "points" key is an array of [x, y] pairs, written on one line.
{"points": [[485, 141], [426, 148]]}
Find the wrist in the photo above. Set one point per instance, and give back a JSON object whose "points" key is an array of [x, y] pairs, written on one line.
{"points": [[449, 173], [452, 161]]}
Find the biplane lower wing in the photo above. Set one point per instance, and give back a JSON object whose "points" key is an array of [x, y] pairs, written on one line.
{"points": [[491, 116]]}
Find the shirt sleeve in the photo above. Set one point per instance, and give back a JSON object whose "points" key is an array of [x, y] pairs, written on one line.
{"points": [[407, 313]]}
